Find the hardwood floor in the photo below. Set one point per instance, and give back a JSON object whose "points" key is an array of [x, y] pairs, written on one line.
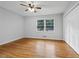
{"points": [[37, 48]]}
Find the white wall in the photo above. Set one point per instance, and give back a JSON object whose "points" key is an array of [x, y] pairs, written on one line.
{"points": [[71, 28], [31, 27], [11, 26]]}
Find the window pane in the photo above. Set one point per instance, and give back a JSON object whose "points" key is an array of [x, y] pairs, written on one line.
{"points": [[40, 26], [49, 28], [49, 22], [40, 22], [40, 29]]}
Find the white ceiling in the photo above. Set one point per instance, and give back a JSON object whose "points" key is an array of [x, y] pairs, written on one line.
{"points": [[48, 7]]}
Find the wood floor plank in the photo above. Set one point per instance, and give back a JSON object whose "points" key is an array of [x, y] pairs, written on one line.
{"points": [[37, 48]]}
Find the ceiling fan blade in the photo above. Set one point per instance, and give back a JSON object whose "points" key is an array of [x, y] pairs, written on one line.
{"points": [[38, 7], [23, 5], [26, 10]]}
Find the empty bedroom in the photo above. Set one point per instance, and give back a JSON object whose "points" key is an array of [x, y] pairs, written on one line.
{"points": [[39, 29]]}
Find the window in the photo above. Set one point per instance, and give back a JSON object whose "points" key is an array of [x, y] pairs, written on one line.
{"points": [[40, 25], [45, 25], [49, 25]]}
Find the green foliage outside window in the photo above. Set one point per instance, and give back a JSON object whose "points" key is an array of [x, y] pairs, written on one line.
{"points": [[47, 25]]}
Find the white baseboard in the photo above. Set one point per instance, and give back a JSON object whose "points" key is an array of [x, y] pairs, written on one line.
{"points": [[10, 40], [44, 38], [72, 47]]}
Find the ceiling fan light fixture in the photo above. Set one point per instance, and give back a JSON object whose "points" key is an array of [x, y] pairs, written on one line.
{"points": [[31, 9]]}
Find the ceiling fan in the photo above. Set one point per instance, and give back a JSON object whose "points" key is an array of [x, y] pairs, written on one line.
{"points": [[31, 6]]}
